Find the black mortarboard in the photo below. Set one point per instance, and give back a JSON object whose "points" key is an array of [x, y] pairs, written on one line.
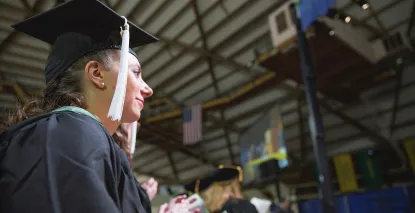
{"points": [[224, 173], [198, 185], [79, 27], [76, 28]]}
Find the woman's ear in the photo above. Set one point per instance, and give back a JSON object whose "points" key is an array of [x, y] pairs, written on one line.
{"points": [[95, 73]]}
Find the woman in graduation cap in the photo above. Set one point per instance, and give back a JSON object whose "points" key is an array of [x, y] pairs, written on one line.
{"points": [[57, 154], [198, 187], [221, 191], [224, 194]]}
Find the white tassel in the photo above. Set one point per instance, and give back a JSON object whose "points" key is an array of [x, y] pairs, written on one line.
{"points": [[133, 137], [117, 104]]}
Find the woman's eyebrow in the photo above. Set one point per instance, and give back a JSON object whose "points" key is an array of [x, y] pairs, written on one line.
{"points": [[137, 66]]}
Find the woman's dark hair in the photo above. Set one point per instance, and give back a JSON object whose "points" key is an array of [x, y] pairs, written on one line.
{"points": [[121, 137], [65, 90]]}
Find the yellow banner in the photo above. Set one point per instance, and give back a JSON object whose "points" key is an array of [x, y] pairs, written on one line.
{"points": [[281, 155], [346, 175], [410, 151]]}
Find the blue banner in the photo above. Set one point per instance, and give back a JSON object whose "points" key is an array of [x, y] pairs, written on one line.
{"points": [[310, 10]]}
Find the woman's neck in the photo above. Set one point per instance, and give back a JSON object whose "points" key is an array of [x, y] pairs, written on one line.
{"points": [[110, 125], [101, 114]]}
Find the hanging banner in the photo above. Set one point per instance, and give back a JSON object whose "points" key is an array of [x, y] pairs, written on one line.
{"points": [[346, 175], [261, 144], [409, 146], [273, 145], [369, 167]]}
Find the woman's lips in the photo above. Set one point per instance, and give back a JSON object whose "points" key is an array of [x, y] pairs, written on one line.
{"points": [[141, 101]]}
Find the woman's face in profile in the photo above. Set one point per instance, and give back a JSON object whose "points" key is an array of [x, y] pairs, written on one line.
{"points": [[137, 90]]}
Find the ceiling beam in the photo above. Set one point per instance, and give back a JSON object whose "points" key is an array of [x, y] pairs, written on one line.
{"points": [[149, 158], [185, 157], [191, 81], [215, 121], [347, 119], [348, 6], [160, 178], [172, 20], [354, 122], [24, 71], [213, 77], [263, 82], [179, 34], [7, 41], [222, 78], [160, 10], [360, 118], [385, 94], [138, 8], [189, 48], [365, 25], [178, 145], [327, 128], [175, 42], [378, 22], [391, 28], [249, 26], [12, 36], [173, 166], [291, 95], [184, 51], [383, 9], [155, 141], [26, 5], [397, 95], [203, 52], [117, 5], [338, 125], [187, 180], [411, 20], [363, 22]]}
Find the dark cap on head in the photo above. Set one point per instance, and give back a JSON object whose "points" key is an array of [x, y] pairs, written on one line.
{"points": [[222, 173], [225, 173], [198, 185], [77, 28]]}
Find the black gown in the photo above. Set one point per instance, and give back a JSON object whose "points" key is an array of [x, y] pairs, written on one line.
{"points": [[233, 205], [66, 162]]}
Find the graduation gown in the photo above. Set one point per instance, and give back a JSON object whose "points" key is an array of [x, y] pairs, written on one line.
{"points": [[233, 205], [66, 162]]}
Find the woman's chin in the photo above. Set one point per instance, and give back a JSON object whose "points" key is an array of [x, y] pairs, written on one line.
{"points": [[129, 117]]}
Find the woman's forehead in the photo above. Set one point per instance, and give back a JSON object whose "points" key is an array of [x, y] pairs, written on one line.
{"points": [[132, 60]]}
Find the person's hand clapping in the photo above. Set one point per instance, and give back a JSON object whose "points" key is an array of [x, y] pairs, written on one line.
{"points": [[178, 204], [150, 187]]}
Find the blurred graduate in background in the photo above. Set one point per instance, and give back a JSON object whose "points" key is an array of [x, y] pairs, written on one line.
{"points": [[221, 191]]}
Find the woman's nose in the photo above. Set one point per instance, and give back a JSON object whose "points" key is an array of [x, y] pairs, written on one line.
{"points": [[147, 91]]}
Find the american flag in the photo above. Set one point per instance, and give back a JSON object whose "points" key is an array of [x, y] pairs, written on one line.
{"points": [[192, 124]]}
